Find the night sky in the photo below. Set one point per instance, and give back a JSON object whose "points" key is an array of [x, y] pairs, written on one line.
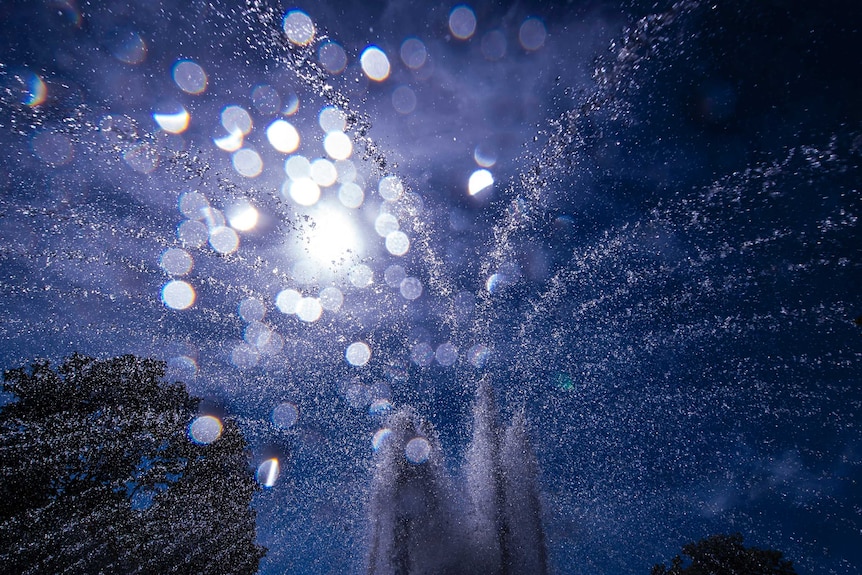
{"points": [[640, 220]]}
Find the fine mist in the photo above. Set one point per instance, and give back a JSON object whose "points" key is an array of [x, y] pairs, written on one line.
{"points": [[423, 522]]}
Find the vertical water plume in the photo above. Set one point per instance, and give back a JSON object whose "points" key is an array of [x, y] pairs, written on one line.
{"points": [[420, 522]]}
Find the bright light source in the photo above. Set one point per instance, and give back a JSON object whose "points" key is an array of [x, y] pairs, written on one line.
{"points": [[330, 237], [479, 180]]}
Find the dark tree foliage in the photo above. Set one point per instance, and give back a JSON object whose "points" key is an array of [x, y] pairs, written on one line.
{"points": [[726, 555], [97, 475]]}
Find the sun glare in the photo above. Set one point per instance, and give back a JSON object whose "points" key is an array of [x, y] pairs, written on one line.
{"points": [[330, 237]]}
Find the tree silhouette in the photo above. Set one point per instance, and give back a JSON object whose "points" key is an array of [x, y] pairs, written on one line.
{"points": [[99, 476], [726, 555]]}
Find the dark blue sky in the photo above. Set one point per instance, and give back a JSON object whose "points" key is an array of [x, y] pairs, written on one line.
{"points": [[665, 273]]}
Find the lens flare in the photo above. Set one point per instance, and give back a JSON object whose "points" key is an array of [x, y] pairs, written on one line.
{"points": [[205, 429], [285, 415], [175, 123], [417, 450], [330, 237], [176, 262], [189, 77], [268, 472], [298, 27], [242, 216], [479, 180], [283, 136], [375, 64], [178, 294], [462, 22], [358, 354], [532, 34]]}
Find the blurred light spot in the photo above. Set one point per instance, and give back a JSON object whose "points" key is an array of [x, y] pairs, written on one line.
{"points": [[285, 415], [403, 100], [361, 276], [338, 145], [242, 215], [381, 389], [268, 472], [37, 90], [331, 298], [177, 294], [532, 34], [192, 234], [273, 344], [494, 283], [297, 167], [251, 309], [358, 395], [380, 407], [385, 224], [304, 191], [127, 46], [291, 104], [257, 334], [332, 57], [52, 148], [213, 218], [479, 180], [142, 158], [229, 143], [394, 275], [446, 354], [298, 27], [192, 205], [358, 353], [374, 63], [283, 136], [350, 195], [390, 188], [190, 77], [410, 288], [422, 354], [323, 172], [205, 429], [413, 53], [287, 301], [118, 129], [182, 367], [69, 10], [507, 275], [485, 155], [397, 243], [224, 240], [379, 437], [478, 355], [247, 162], [462, 22], [309, 309], [494, 45], [266, 100], [175, 123], [331, 119], [330, 236], [244, 356], [236, 119], [417, 450], [176, 262]]}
